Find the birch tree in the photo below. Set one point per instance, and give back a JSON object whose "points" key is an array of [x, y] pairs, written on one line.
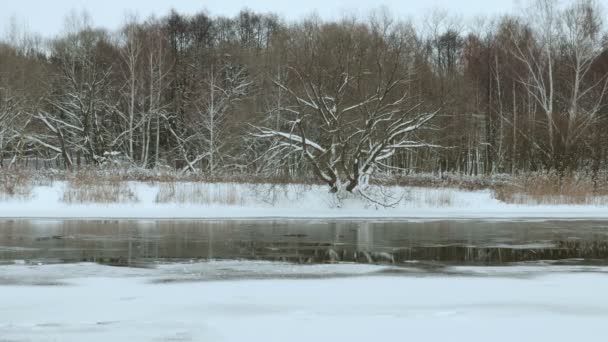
{"points": [[131, 54], [571, 40], [158, 71], [535, 47], [203, 140], [583, 43]]}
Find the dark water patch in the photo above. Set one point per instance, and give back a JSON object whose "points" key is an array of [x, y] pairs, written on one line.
{"points": [[460, 242], [30, 282]]}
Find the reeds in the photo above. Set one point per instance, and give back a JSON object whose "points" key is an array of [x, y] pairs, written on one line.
{"points": [[200, 193], [15, 184], [86, 188], [552, 189]]}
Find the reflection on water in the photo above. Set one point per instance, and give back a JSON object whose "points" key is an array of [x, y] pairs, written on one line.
{"points": [[128, 242]]}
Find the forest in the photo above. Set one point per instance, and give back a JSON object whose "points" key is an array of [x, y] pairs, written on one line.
{"points": [[338, 100]]}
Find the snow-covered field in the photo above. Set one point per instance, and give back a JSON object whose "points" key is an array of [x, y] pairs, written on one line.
{"points": [[228, 200], [87, 302]]}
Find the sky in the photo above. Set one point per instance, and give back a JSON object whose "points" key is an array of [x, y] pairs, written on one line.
{"points": [[47, 16]]}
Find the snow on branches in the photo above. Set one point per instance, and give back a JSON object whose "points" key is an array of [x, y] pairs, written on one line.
{"points": [[346, 141]]}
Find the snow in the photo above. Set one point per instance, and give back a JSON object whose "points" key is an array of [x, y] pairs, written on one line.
{"points": [[99, 303], [231, 200]]}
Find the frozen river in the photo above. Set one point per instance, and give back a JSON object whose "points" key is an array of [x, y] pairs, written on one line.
{"points": [[460, 242], [302, 280]]}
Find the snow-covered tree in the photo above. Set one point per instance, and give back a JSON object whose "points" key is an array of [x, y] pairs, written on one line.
{"points": [[80, 103], [348, 148], [346, 119]]}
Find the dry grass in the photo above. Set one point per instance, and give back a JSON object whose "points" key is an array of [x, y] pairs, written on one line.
{"points": [[446, 180], [15, 184], [552, 189], [166, 175], [110, 186], [163, 175], [272, 193], [230, 193], [430, 198], [200, 193], [439, 198], [87, 188]]}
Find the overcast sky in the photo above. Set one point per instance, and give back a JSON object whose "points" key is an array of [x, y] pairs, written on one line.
{"points": [[46, 16]]}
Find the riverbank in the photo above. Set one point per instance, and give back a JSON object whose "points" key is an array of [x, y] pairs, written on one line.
{"points": [[196, 200]]}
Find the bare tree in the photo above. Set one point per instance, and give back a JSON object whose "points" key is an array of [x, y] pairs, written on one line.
{"points": [[537, 54], [571, 40], [583, 43], [522, 93], [221, 88], [80, 101], [9, 114], [131, 52], [158, 72], [353, 150], [346, 121]]}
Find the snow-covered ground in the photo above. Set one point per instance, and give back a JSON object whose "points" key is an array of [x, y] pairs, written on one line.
{"points": [[87, 302], [292, 201], [228, 200]]}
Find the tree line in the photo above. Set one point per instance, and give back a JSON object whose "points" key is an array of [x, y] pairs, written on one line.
{"points": [[338, 99]]}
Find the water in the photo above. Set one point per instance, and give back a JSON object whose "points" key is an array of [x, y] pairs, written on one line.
{"points": [[460, 242], [349, 280]]}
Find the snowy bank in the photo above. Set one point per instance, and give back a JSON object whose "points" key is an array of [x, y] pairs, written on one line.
{"points": [[233, 200], [100, 304]]}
